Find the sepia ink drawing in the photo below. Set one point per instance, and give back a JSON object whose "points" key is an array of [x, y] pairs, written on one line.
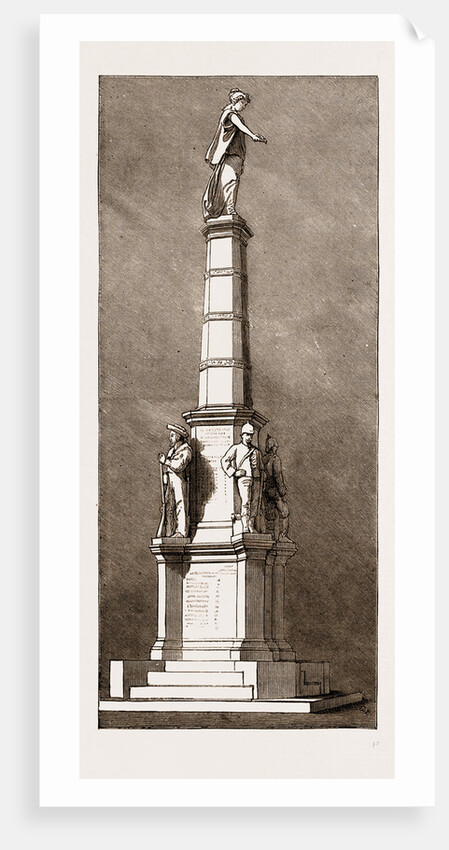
{"points": [[224, 549]]}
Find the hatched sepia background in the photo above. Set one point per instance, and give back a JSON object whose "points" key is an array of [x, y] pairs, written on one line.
{"points": [[310, 196]]}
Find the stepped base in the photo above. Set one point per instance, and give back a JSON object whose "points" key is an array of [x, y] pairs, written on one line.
{"points": [[310, 705], [205, 678], [219, 679]]}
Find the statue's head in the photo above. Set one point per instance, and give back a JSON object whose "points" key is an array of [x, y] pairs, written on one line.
{"points": [[239, 99], [247, 433], [177, 434], [271, 445]]}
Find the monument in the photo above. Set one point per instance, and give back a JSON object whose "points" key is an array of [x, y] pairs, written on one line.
{"points": [[222, 546]]}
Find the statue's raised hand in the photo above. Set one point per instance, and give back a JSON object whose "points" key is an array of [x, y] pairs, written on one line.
{"points": [[259, 138]]}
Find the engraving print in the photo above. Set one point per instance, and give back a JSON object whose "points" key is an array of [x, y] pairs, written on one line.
{"points": [[238, 565]]}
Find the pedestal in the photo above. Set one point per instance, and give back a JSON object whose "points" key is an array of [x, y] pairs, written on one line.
{"points": [[211, 599], [171, 575], [220, 625]]}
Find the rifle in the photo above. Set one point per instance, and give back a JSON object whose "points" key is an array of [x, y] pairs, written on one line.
{"points": [[161, 528]]}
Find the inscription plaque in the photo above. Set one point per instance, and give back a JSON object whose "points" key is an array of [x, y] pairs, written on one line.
{"points": [[209, 602], [215, 490]]}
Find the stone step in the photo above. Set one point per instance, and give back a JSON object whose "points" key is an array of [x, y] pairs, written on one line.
{"points": [[202, 692], [276, 706], [199, 666], [205, 654], [190, 677]]}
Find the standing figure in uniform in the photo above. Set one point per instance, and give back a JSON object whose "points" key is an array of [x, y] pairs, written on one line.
{"points": [[274, 492], [226, 155], [175, 484], [243, 462]]}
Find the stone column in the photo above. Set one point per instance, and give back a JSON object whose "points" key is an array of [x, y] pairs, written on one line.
{"points": [[225, 360], [251, 551], [284, 549], [169, 552], [269, 562]]}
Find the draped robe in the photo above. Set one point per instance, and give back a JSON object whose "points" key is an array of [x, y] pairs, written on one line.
{"points": [[226, 155]]}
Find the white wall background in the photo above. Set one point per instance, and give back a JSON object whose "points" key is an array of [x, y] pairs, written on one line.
{"points": [[23, 823]]}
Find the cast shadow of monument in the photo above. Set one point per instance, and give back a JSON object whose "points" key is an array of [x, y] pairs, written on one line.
{"points": [[202, 483]]}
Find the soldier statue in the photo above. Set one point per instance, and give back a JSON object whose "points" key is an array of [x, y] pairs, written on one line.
{"points": [[274, 492], [243, 462], [174, 468]]}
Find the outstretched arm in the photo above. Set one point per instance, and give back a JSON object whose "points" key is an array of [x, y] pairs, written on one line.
{"points": [[242, 126]]}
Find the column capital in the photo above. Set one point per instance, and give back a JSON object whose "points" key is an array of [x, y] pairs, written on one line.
{"points": [[169, 547], [225, 415], [227, 225], [284, 549], [252, 544]]}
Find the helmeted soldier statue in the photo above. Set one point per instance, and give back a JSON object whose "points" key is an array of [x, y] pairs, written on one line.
{"points": [[243, 462], [274, 491], [175, 484]]}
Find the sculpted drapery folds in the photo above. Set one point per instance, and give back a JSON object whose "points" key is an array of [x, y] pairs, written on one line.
{"points": [[226, 155]]}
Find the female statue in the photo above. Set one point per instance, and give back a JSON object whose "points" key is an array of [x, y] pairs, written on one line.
{"points": [[226, 155]]}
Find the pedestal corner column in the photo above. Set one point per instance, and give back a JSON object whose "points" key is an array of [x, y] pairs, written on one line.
{"points": [[169, 553], [251, 551], [283, 550]]}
